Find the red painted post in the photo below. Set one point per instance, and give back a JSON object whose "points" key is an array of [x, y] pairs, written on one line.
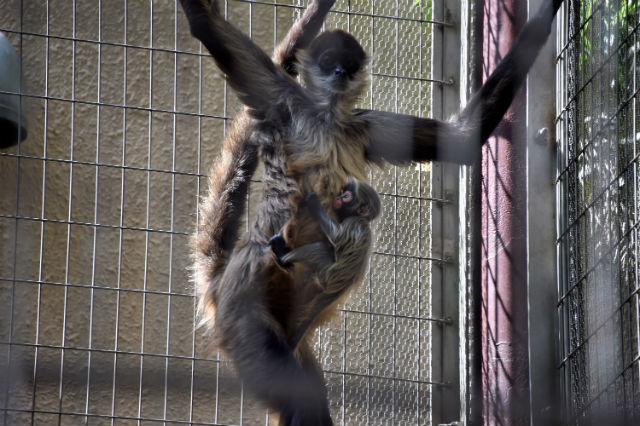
{"points": [[505, 363]]}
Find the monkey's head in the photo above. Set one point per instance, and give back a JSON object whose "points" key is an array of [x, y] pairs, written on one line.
{"points": [[357, 198], [334, 66]]}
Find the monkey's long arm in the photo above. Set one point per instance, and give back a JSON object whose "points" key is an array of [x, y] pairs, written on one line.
{"points": [[327, 225], [301, 34], [257, 80], [459, 140]]}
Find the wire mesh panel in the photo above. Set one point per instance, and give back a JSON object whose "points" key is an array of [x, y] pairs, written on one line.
{"points": [[598, 201], [126, 113]]}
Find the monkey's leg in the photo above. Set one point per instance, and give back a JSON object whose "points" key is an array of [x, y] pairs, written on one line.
{"points": [[268, 368], [309, 363]]}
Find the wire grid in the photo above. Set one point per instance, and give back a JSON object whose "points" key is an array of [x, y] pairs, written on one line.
{"points": [[126, 112], [598, 201]]}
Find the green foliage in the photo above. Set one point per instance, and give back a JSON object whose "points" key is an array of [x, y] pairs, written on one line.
{"points": [[427, 8], [613, 24]]}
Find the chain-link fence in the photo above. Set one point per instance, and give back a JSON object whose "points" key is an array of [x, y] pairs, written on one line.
{"points": [[598, 193]]}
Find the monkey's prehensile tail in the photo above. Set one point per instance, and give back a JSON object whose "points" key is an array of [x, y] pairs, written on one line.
{"points": [[220, 215]]}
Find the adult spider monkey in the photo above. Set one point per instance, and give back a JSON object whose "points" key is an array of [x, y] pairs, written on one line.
{"points": [[310, 139]]}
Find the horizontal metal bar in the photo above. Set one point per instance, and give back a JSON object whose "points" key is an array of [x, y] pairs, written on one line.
{"points": [[102, 42], [97, 287], [108, 351], [99, 225], [395, 379], [117, 106], [407, 256], [351, 13], [114, 417], [424, 80], [191, 174], [210, 360], [105, 165], [443, 321]]}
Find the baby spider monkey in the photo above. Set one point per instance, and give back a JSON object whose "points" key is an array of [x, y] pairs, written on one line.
{"points": [[338, 261]]}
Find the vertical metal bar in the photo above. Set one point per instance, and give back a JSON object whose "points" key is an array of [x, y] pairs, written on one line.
{"points": [[147, 213], [42, 215], [541, 267], [66, 284], [635, 301], [437, 101], [7, 384], [466, 338], [395, 238], [173, 205], [121, 221], [370, 322], [421, 249], [444, 180], [41, 254], [197, 215], [95, 212], [559, 199]]}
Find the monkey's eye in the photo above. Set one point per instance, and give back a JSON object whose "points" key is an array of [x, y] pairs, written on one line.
{"points": [[327, 60], [351, 66], [347, 197]]}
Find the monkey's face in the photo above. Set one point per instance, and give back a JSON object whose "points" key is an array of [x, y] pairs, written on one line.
{"points": [[357, 198], [347, 204], [334, 63], [343, 200]]}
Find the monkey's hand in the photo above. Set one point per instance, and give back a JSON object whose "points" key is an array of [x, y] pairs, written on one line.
{"points": [[325, 3], [310, 200], [279, 248], [199, 6], [199, 14]]}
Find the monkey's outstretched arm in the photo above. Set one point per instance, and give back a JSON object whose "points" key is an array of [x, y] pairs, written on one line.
{"points": [[301, 34], [460, 139], [257, 80], [311, 202]]}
